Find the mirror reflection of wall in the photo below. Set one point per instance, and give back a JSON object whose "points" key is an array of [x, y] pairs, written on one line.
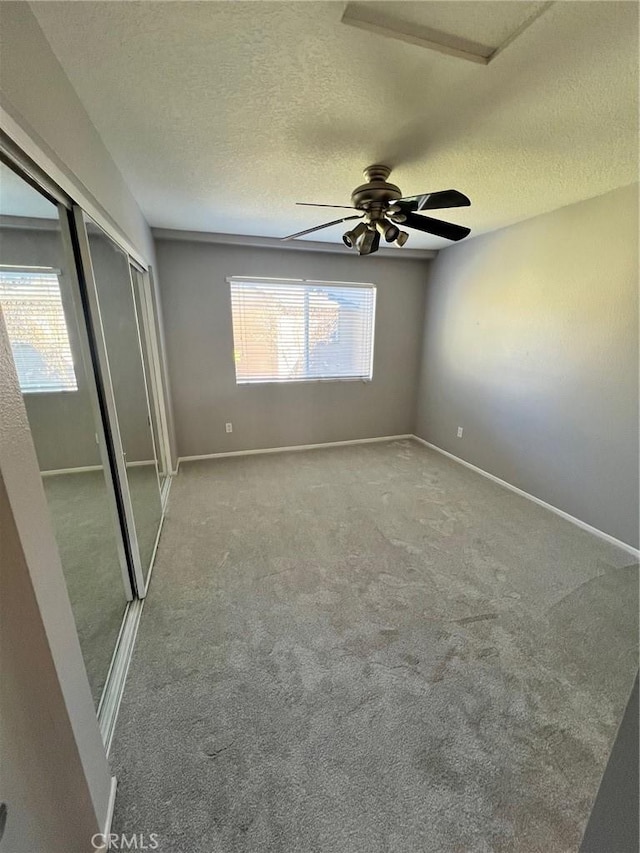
{"points": [[119, 321], [43, 317]]}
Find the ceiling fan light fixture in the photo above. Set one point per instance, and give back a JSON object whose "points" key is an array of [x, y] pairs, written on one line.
{"points": [[350, 238], [402, 238], [369, 242], [387, 230]]}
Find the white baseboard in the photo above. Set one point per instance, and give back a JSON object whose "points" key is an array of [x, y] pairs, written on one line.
{"points": [[635, 552], [84, 468], [294, 447], [81, 470]]}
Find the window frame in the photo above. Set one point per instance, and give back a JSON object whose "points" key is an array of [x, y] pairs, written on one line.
{"points": [[236, 279]]}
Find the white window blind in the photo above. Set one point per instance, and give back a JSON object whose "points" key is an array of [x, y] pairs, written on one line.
{"points": [[37, 329], [297, 331]]}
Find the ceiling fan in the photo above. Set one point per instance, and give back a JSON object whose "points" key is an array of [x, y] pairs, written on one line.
{"points": [[382, 209]]}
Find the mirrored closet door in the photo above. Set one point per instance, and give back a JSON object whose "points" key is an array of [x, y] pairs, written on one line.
{"points": [[113, 309], [44, 316]]}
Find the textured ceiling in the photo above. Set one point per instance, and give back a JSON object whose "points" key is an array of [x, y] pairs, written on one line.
{"points": [[222, 115]]}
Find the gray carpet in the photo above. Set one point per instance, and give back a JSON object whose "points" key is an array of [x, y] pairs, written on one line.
{"points": [[373, 649], [86, 535]]}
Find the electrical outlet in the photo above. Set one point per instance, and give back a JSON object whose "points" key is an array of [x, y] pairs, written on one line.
{"points": [[460, 432], [228, 427]]}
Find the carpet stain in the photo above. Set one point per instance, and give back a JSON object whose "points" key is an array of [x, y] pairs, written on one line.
{"points": [[412, 549], [442, 668], [466, 620], [212, 748]]}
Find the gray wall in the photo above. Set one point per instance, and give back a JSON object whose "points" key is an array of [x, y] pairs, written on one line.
{"points": [[197, 312], [531, 345]]}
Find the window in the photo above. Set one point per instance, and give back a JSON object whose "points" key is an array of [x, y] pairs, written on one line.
{"points": [[302, 330], [37, 329]]}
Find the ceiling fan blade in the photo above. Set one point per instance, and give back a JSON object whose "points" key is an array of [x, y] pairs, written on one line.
{"points": [[311, 204], [435, 201], [320, 227], [436, 226]]}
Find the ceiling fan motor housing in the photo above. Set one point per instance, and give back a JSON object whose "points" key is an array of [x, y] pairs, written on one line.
{"points": [[376, 195]]}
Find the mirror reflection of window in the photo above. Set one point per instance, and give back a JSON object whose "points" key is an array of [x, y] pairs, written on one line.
{"points": [[37, 328]]}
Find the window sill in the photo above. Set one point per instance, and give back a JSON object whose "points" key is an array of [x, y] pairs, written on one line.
{"points": [[32, 392], [303, 381]]}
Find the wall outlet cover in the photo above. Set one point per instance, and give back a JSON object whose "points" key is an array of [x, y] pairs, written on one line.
{"points": [[228, 427], [460, 432]]}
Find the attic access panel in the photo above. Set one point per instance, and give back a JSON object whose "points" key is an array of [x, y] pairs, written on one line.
{"points": [[477, 32]]}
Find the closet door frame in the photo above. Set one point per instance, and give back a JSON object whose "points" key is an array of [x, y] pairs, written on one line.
{"points": [[147, 319], [146, 351], [138, 301], [152, 295], [95, 322]]}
